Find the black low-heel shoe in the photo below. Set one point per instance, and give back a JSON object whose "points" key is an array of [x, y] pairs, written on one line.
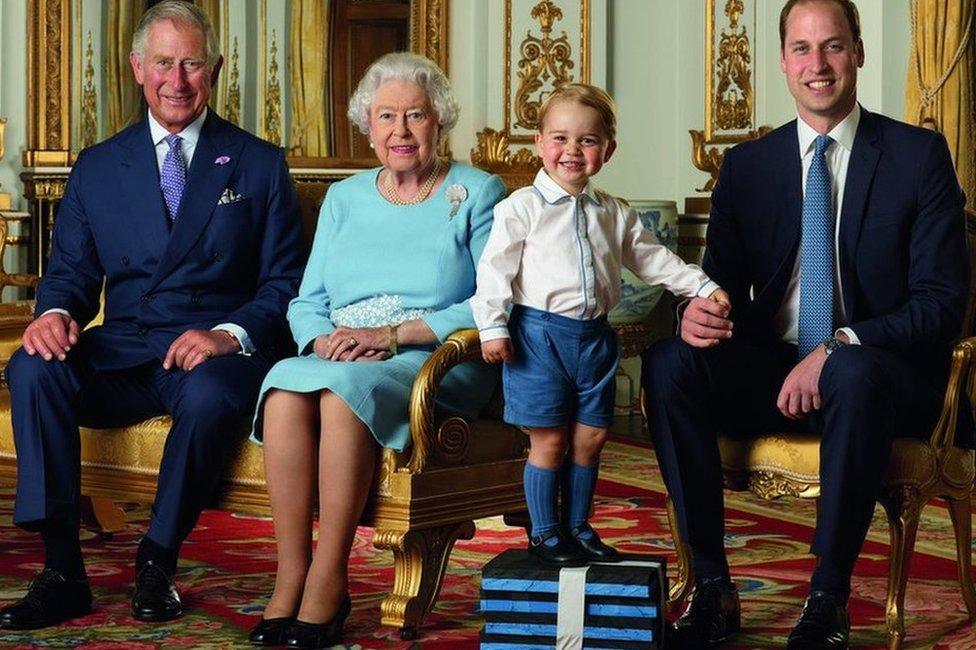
{"points": [[270, 631], [318, 635], [593, 547], [564, 552]]}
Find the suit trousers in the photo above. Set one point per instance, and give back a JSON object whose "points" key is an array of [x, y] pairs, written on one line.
{"points": [[210, 406], [869, 396]]}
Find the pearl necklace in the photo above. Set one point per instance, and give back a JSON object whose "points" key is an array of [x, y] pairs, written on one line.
{"points": [[422, 193]]}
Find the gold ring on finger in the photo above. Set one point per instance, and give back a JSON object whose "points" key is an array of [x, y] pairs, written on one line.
{"points": [[352, 342], [208, 353]]}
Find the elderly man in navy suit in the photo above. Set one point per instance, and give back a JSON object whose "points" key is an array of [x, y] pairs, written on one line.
{"points": [[192, 227], [840, 238]]}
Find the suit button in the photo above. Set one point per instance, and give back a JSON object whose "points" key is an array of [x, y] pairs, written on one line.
{"points": [[143, 331], [217, 257], [195, 300], [148, 297], [125, 261]]}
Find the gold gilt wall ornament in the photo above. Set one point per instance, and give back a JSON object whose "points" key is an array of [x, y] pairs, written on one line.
{"points": [[272, 111], [89, 100], [233, 100], [733, 93], [729, 89], [545, 64]]}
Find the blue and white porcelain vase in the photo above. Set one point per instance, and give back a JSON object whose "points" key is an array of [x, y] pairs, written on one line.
{"points": [[637, 298]]}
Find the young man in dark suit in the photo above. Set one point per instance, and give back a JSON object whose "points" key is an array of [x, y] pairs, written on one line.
{"points": [[192, 225], [840, 238]]}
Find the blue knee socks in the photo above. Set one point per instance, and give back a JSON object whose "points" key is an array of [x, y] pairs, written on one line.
{"points": [[582, 484], [540, 497]]}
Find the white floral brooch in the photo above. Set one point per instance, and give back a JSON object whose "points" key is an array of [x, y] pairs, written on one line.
{"points": [[456, 194]]}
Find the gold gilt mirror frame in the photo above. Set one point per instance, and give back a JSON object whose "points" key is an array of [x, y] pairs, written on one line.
{"points": [[50, 85]]}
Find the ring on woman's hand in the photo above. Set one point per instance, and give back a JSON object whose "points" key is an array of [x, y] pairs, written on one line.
{"points": [[351, 343], [208, 353]]}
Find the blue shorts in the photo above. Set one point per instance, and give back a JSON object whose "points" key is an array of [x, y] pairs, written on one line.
{"points": [[563, 370]]}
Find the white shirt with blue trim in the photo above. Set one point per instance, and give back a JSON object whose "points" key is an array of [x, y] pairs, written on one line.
{"points": [[560, 253]]}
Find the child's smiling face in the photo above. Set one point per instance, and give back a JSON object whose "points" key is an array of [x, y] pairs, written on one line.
{"points": [[573, 144]]}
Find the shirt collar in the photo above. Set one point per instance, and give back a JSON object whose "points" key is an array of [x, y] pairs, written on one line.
{"points": [[552, 193], [190, 134], [843, 134]]}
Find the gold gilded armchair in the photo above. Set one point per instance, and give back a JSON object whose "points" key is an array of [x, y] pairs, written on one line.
{"points": [[773, 465], [423, 499]]}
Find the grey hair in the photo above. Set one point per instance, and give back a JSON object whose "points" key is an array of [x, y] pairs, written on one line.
{"points": [[404, 66], [176, 11]]}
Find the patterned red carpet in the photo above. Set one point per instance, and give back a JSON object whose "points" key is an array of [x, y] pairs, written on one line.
{"points": [[227, 569]]}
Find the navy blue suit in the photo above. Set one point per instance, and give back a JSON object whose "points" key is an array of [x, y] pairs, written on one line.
{"points": [[237, 262], [904, 271]]}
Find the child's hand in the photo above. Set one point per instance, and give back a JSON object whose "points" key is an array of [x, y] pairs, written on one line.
{"points": [[721, 296], [497, 350]]}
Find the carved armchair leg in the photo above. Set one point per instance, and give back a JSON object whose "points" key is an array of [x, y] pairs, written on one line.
{"points": [[903, 505], [685, 578], [519, 520], [102, 515], [419, 560], [959, 511]]}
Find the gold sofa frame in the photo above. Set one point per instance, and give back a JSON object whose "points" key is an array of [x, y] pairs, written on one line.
{"points": [[774, 465]]}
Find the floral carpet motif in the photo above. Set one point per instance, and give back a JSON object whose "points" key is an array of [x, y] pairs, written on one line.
{"points": [[227, 571]]}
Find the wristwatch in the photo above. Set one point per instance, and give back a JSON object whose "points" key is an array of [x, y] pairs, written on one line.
{"points": [[831, 344]]}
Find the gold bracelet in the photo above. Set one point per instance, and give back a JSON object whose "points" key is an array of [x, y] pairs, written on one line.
{"points": [[393, 340]]}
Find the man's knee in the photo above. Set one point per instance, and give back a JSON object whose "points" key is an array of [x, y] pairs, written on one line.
{"points": [[668, 364], [855, 373], [213, 397], [25, 371]]}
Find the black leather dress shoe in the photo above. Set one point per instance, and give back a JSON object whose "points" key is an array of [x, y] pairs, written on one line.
{"points": [[823, 624], [592, 546], [270, 631], [318, 635], [564, 552], [155, 598], [50, 599], [711, 617]]}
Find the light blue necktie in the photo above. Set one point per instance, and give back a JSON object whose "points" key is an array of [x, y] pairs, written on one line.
{"points": [[816, 322], [172, 178]]}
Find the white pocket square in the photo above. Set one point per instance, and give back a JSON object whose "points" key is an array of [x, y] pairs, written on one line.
{"points": [[229, 196]]}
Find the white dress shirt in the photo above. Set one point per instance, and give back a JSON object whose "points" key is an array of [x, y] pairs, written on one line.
{"points": [[560, 253], [189, 138], [837, 156]]}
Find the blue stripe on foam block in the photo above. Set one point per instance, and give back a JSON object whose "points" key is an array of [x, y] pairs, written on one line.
{"points": [[535, 629], [552, 587], [549, 607]]}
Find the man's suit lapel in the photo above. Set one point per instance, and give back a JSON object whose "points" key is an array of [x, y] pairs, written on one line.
{"points": [[789, 189], [205, 183], [860, 175], [139, 176]]}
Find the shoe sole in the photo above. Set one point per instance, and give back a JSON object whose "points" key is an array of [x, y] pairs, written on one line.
{"points": [[153, 618], [50, 623]]}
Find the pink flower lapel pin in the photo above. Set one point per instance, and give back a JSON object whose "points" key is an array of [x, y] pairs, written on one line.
{"points": [[222, 160]]}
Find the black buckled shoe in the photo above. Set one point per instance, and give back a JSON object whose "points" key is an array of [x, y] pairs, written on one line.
{"points": [[270, 631], [593, 547], [318, 635], [565, 552], [50, 599], [155, 598], [823, 624], [711, 617]]}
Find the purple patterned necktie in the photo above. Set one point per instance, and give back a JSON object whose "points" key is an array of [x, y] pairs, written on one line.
{"points": [[172, 178]]}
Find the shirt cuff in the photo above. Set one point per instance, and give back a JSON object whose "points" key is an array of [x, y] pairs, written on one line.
{"points": [[850, 335], [708, 288], [493, 332], [56, 310], [238, 333]]}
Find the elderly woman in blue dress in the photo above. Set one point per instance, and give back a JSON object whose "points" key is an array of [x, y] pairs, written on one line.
{"points": [[390, 273]]}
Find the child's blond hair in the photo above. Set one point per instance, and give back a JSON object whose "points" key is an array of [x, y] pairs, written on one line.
{"points": [[587, 95]]}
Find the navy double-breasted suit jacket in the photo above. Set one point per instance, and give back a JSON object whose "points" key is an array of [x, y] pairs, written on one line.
{"points": [[238, 262], [904, 263]]}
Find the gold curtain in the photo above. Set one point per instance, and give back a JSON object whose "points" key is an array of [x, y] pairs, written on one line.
{"points": [[309, 81], [939, 93], [122, 95]]}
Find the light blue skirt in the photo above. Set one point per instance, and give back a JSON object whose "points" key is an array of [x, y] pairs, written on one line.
{"points": [[378, 392]]}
